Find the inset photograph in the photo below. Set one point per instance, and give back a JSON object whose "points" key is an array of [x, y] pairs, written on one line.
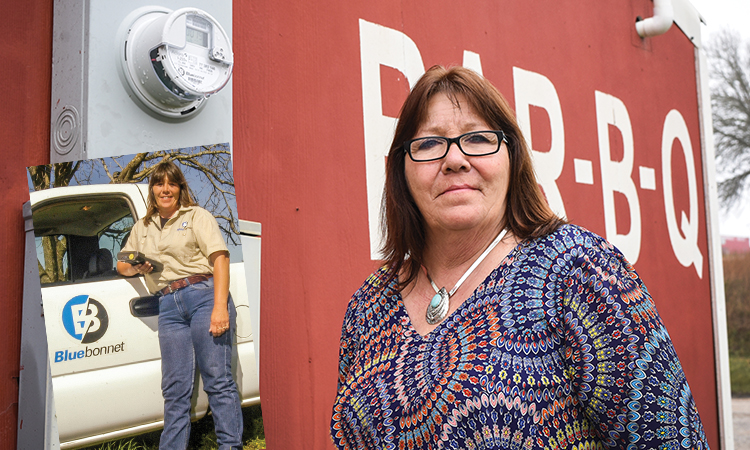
{"points": [[149, 300]]}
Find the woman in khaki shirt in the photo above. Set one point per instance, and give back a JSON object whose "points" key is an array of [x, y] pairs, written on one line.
{"points": [[196, 313]]}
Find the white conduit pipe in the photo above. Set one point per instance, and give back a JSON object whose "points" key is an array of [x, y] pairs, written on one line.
{"points": [[660, 23]]}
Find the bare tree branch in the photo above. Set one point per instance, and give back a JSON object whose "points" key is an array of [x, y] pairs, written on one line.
{"points": [[730, 101], [40, 176]]}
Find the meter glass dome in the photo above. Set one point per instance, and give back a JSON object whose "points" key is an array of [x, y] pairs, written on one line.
{"points": [[174, 60]]}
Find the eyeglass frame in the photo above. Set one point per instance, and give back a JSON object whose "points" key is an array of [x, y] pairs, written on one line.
{"points": [[457, 140]]}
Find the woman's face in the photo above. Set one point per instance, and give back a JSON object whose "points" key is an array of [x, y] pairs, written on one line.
{"points": [[458, 192], [167, 196]]}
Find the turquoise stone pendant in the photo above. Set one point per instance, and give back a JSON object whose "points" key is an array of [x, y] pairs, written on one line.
{"points": [[438, 308]]}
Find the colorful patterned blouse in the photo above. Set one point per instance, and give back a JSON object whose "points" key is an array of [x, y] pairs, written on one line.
{"points": [[560, 347]]}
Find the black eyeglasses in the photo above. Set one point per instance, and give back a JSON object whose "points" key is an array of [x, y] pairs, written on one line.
{"points": [[475, 143]]}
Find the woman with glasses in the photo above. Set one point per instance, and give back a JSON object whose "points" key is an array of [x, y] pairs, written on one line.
{"points": [[196, 313], [494, 323]]}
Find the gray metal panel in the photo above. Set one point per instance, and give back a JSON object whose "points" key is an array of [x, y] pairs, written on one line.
{"points": [[37, 427], [69, 51], [112, 122]]}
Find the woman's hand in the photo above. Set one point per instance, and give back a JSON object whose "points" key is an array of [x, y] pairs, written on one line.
{"points": [[219, 321], [144, 268], [129, 271]]}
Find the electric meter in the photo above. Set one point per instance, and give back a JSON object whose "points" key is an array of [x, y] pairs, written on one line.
{"points": [[174, 60]]}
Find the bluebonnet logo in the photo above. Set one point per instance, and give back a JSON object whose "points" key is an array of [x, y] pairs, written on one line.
{"points": [[85, 319]]}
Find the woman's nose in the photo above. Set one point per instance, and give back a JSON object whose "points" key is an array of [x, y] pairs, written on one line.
{"points": [[455, 159]]}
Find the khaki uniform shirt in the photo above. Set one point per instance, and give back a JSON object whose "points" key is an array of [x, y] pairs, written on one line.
{"points": [[183, 246]]}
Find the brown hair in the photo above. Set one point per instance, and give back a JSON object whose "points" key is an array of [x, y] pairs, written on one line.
{"points": [[527, 214], [166, 170]]}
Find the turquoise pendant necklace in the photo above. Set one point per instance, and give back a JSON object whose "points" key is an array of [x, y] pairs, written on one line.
{"points": [[438, 308]]}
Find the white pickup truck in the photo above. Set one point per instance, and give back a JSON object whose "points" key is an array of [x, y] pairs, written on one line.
{"points": [[101, 327]]}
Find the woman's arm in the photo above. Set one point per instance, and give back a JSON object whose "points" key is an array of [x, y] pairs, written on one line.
{"points": [[220, 315], [622, 362]]}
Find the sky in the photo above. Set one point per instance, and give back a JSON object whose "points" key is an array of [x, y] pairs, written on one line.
{"points": [[722, 13], [734, 14]]}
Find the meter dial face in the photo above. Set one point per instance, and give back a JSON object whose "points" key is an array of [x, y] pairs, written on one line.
{"points": [[197, 37]]}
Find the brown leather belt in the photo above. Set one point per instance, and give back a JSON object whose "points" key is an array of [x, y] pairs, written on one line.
{"points": [[184, 282]]}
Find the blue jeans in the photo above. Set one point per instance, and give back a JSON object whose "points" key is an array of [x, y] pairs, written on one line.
{"points": [[184, 320]]}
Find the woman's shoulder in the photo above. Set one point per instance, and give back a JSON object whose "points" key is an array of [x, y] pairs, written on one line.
{"points": [[569, 236], [375, 283], [140, 225], [368, 300], [196, 213], [574, 244], [193, 209], [374, 289]]}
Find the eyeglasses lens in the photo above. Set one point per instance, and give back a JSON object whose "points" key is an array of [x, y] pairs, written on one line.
{"points": [[480, 143]]}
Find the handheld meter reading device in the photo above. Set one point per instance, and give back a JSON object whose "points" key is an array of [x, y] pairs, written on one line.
{"points": [[174, 60], [135, 258]]}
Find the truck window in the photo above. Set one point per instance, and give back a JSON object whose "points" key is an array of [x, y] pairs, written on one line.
{"points": [[77, 239], [52, 258]]}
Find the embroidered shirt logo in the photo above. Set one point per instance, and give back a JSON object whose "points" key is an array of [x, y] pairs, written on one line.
{"points": [[183, 226]]}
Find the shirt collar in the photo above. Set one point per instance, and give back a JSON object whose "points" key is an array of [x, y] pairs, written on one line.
{"points": [[183, 209]]}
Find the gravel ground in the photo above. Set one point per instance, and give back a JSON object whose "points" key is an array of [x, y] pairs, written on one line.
{"points": [[741, 422]]}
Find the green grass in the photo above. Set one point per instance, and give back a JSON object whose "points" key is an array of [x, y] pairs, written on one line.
{"points": [[202, 436], [129, 444], [739, 369]]}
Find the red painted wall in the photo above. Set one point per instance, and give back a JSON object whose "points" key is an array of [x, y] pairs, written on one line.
{"points": [[300, 163], [26, 48]]}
